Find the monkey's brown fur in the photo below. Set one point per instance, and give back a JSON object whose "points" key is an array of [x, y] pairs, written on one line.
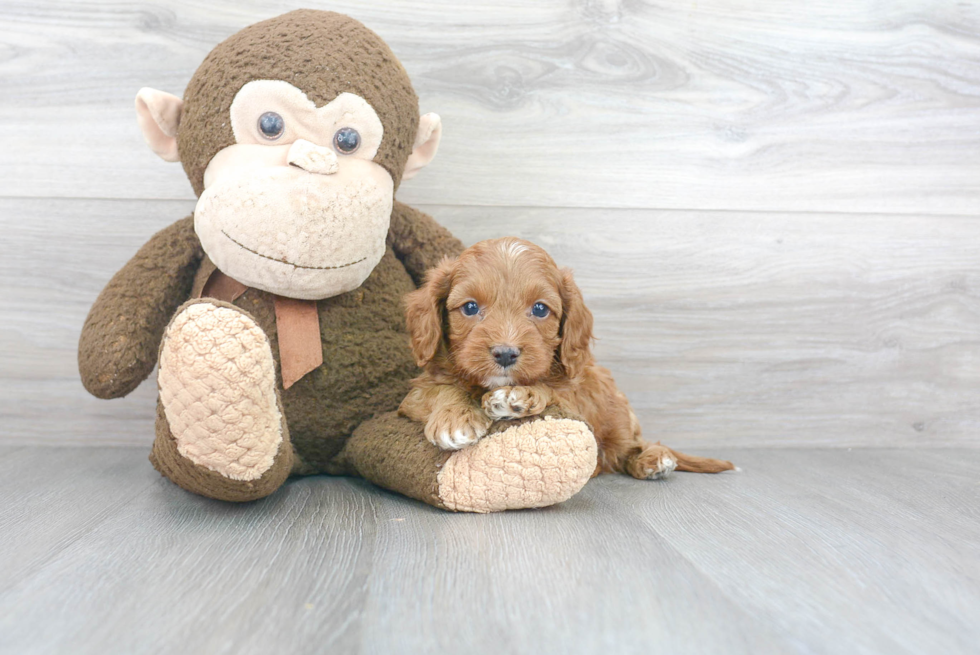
{"points": [[367, 362]]}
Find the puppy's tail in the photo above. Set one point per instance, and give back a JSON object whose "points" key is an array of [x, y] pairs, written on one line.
{"points": [[695, 464]]}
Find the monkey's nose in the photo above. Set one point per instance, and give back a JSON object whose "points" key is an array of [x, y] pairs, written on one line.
{"points": [[505, 355], [312, 158]]}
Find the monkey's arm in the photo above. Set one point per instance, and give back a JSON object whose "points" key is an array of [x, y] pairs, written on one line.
{"points": [[118, 346], [419, 241]]}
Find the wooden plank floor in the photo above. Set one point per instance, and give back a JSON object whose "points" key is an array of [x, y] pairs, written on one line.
{"points": [[803, 551]]}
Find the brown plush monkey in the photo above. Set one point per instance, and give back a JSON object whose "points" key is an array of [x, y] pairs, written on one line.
{"points": [[275, 310]]}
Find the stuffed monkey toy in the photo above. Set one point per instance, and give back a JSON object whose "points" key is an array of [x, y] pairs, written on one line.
{"points": [[275, 310]]}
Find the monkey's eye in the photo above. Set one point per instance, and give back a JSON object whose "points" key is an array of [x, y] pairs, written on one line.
{"points": [[347, 140], [540, 310], [470, 309], [271, 125]]}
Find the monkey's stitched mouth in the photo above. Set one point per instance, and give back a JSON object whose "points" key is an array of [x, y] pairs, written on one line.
{"points": [[282, 261]]}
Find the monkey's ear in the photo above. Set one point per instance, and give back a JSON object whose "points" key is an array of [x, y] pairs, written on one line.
{"points": [[158, 114], [426, 144]]}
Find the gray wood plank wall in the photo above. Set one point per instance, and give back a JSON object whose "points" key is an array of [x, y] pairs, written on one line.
{"points": [[773, 208]]}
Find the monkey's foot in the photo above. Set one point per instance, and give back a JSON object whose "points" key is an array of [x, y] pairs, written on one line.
{"points": [[534, 464], [218, 391]]}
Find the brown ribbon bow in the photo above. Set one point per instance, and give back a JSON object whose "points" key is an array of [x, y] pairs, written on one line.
{"points": [[297, 322]]}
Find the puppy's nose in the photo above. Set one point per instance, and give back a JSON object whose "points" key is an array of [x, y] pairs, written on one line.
{"points": [[505, 355]]}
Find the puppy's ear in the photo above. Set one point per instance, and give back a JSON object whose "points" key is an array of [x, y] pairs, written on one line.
{"points": [[576, 327], [424, 310]]}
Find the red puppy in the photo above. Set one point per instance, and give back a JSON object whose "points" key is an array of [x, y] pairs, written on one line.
{"points": [[502, 332]]}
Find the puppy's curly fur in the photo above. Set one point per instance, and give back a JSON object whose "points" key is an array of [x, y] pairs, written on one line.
{"points": [[503, 333]]}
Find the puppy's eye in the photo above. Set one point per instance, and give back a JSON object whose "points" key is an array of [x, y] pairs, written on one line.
{"points": [[271, 125], [347, 140], [470, 309], [540, 310]]}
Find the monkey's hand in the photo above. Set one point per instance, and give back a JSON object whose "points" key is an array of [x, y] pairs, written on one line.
{"points": [[121, 336], [515, 402]]}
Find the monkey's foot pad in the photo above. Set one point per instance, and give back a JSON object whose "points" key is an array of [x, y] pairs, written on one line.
{"points": [[534, 464], [217, 384]]}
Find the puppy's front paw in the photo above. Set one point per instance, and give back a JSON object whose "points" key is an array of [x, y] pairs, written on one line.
{"points": [[452, 429], [513, 402]]}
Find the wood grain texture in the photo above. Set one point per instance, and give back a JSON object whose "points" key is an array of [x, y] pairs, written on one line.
{"points": [[600, 103], [39, 519], [577, 578], [170, 568], [723, 328], [859, 551], [804, 551]]}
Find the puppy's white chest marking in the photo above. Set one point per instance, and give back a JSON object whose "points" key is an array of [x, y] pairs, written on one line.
{"points": [[497, 381]]}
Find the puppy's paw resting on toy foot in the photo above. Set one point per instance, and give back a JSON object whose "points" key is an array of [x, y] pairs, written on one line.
{"points": [[452, 428], [513, 402]]}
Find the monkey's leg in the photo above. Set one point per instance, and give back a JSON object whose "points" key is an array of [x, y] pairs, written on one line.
{"points": [[220, 426], [532, 463]]}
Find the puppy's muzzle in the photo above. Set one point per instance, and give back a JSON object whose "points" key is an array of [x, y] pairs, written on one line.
{"points": [[506, 356]]}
